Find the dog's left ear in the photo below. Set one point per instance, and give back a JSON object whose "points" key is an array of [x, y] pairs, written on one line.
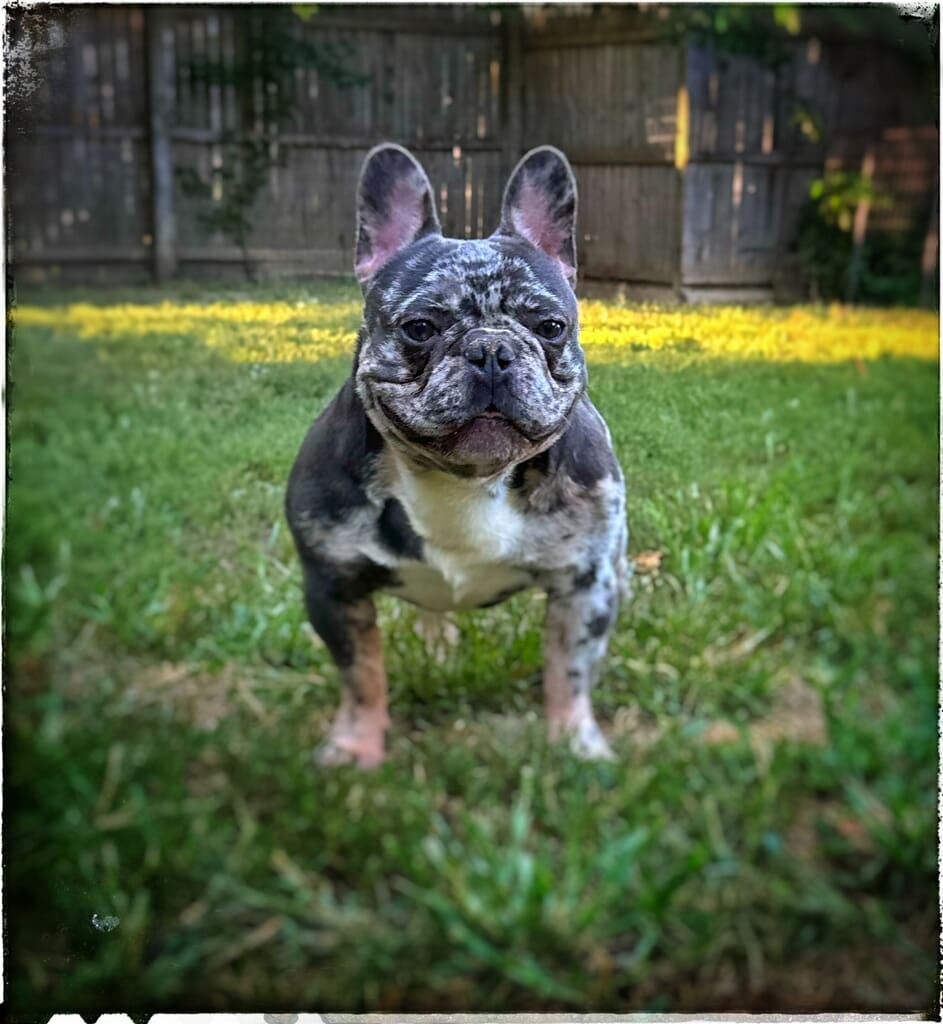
{"points": [[395, 207], [540, 205]]}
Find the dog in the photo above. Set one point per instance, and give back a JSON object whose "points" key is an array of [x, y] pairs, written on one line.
{"points": [[462, 461]]}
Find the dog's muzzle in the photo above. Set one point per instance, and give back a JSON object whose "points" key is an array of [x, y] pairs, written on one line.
{"points": [[490, 354]]}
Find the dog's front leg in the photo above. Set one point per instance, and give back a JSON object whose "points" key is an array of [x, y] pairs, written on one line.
{"points": [[581, 609], [348, 627]]}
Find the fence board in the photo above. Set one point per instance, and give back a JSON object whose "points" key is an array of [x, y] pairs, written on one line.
{"points": [[626, 218], [467, 88], [620, 97]]}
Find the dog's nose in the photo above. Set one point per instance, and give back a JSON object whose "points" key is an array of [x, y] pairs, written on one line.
{"points": [[479, 353]]}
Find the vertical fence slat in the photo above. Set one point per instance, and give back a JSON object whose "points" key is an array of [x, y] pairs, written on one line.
{"points": [[512, 79]]}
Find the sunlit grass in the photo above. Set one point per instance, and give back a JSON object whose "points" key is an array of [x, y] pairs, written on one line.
{"points": [[308, 327], [814, 334], [766, 837]]}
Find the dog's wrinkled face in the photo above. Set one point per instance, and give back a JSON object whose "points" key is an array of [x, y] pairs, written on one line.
{"points": [[469, 355]]}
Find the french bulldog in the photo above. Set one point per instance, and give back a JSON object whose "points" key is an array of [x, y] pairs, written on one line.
{"points": [[462, 461]]}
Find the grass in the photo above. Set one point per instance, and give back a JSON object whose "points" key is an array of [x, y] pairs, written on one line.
{"points": [[766, 838]]}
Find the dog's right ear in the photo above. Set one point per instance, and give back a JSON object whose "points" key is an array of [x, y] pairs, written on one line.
{"points": [[395, 207], [540, 205]]}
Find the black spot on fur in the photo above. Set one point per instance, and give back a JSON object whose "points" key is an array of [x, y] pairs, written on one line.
{"points": [[329, 475], [396, 532], [503, 596], [537, 466], [464, 470], [598, 624], [586, 578]]}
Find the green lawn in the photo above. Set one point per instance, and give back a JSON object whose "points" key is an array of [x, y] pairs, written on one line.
{"points": [[766, 838]]}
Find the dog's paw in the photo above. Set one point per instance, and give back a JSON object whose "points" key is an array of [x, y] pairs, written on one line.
{"points": [[584, 737], [356, 737], [588, 743], [332, 753]]}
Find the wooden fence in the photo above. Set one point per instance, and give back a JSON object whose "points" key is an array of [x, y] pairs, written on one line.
{"points": [[691, 164]]}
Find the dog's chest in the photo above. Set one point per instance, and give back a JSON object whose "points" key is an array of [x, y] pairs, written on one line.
{"points": [[473, 542]]}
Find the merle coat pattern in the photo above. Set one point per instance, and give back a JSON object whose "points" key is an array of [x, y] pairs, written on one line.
{"points": [[462, 461]]}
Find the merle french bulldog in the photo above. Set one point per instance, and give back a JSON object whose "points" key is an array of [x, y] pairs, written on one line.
{"points": [[462, 461]]}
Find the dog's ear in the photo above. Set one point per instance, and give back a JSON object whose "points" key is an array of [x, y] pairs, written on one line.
{"points": [[395, 206], [540, 205]]}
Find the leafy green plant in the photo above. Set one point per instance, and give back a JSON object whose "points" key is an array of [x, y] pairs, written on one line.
{"points": [[764, 31], [889, 264], [808, 121], [243, 175], [267, 64], [838, 195], [761, 31]]}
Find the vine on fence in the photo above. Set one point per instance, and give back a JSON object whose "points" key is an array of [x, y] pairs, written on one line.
{"points": [[264, 66]]}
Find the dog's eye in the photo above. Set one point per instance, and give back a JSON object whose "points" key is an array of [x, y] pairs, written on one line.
{"points": [[419, 330], [551, 330]]}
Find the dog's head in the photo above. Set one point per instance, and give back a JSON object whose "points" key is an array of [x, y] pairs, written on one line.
{"points": [[469, 356]]}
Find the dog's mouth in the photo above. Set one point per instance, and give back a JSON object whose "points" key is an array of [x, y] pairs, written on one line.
{"points": [[490, 426], [483, 444], [491, 418]]}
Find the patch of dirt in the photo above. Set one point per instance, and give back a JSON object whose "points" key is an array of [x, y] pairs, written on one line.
{"points": [[190, 693], [719, 733], [204, 700], [797, 715]]}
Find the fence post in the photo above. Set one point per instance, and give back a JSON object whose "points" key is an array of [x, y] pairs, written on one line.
{"points": [[160, 98]]}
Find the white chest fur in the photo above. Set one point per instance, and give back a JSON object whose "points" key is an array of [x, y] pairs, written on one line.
{"points": [[472, 538]]}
